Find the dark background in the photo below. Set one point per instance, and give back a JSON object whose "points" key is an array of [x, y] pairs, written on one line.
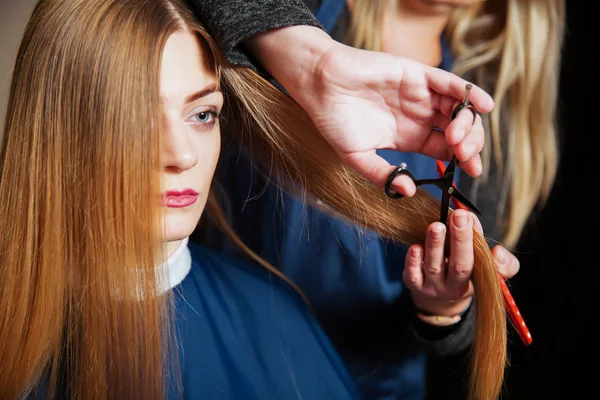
{"points": [[556, 281]]}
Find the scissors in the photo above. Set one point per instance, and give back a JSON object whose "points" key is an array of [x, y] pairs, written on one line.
{"points": [[446, 182], [449, 191]]}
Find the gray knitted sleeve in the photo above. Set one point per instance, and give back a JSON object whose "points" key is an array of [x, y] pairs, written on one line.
{"points": [[230, 22]]}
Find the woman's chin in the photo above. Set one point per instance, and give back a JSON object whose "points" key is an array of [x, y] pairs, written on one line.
{"points": [[174, 232]]}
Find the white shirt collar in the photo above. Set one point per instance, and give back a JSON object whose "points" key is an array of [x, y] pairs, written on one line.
{"points": [[176, 268]]}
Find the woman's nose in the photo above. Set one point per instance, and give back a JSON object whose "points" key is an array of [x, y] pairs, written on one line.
{"points": [[179, 153]]}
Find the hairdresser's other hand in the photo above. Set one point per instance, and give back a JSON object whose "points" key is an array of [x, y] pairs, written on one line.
{"points": [[363, 101], [443, 286]]}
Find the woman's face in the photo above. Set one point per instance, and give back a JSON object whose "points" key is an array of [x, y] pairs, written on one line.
{"points": [[191, 103]]}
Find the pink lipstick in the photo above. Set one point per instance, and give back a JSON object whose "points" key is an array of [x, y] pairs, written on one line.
{"points": [[179, 198]]}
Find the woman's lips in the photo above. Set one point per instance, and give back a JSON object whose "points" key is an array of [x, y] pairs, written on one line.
{"points": [[179, 198]]}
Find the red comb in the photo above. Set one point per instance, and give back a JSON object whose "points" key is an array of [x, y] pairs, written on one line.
{"points": [[514, 314]]}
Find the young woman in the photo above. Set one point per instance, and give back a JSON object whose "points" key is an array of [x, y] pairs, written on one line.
{"points": [[112, 137]]}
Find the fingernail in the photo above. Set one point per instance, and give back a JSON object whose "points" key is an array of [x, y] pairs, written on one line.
{"points": [[416, 252], [437, 232], [460, 219]]}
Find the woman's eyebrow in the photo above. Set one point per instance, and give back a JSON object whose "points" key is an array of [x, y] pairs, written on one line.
{"points": [[202, 93]]}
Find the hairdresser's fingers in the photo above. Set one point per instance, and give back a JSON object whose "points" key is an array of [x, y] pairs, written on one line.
{"points": [[458, 128], [440, 122], [461, 126], [472, 167], [477, 227], [436, 146], [507, 263], [466, 135], [434, 261], [472, 144], [412, 276], [460, 262], [373, 167], [404, 185], [448, 84]]}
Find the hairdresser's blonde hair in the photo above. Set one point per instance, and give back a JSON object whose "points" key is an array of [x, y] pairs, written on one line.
{"points": [[512, 49], [80, 134]]}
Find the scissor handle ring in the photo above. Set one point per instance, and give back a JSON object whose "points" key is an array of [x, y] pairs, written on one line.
{"points": [[400, 170], [462, 106]]}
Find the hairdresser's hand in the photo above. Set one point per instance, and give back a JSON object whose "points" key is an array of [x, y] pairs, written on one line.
{"points": [[443, 286], [362, 101]]}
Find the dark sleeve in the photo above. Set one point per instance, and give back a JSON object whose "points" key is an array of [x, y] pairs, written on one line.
{"points": [[230, 22], [442, 341]]}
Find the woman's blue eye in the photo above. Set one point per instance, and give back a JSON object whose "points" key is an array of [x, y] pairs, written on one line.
{"points": [[204, 116], [204, 120]]}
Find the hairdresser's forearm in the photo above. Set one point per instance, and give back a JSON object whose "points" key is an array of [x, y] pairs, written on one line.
{"points": [[231, 22], [292, 56]]}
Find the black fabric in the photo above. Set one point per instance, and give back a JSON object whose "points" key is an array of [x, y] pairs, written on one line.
{"points": [[442, 341]]}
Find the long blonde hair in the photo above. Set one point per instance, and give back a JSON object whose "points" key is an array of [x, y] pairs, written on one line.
{"points": [[79, 164], [512, 49], [80, 135]]}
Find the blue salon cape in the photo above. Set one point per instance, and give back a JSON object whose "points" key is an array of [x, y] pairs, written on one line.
{"points": [[352, 278], [244, 334]]}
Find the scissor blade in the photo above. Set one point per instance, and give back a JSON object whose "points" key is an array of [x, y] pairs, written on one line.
{"points": [[449, 171], [438, 182], [460, 197], [444, 208]]}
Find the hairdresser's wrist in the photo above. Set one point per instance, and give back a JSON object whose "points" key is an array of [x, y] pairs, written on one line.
{"points": [[429, 309], [292, 56]]}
